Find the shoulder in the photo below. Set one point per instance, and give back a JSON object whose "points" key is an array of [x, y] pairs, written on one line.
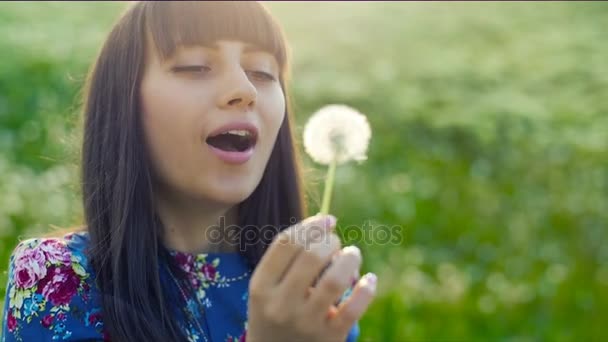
{"points": [[49, 283], [38, 262]]}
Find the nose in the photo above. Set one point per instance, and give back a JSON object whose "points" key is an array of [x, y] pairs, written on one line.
{"points": [[238, 92]]}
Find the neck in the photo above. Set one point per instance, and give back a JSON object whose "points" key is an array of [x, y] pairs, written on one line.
{"points": [[194, 226]]}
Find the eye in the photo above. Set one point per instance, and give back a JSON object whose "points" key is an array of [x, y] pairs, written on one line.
{"points": [[202, 69], [261, 75]]}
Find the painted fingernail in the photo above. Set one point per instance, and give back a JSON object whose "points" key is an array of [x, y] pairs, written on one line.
{"points": [[330, 221], [370, 281]]}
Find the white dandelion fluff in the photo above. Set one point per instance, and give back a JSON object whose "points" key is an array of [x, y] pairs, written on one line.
{"points": [[337, 132], [334, 135]]}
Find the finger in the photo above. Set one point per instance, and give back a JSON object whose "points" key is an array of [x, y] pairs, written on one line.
{"points": [[284, 249], [350, 311], [336, 280], [306, 267], [311, 229]]}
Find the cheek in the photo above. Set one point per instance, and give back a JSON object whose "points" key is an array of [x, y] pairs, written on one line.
{"points": [[273, 111], [160, 126], [169, 121]]}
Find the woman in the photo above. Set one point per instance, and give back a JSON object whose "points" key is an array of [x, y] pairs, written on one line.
{"points": [[188, 135]]}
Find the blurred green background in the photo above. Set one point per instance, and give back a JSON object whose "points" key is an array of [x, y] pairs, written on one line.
{"points": [[489, 150]]}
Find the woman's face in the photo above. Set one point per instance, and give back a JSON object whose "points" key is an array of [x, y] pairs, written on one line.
{"points": [[211, 115]]}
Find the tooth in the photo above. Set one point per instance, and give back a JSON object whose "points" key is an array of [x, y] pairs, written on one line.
{"points": [[238, 132]]}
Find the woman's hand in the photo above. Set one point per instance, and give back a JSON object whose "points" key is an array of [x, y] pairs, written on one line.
{"points": [[283, 305]]}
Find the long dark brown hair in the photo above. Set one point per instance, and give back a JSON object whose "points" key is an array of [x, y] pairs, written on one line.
{"points": [[117, 186]]}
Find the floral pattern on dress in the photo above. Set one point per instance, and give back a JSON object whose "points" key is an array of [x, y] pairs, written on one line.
{"points": [[241, 338], [46, 275], [51, 294], [200, 272], [203, 273]]}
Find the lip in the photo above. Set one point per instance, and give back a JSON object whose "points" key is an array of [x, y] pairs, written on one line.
{"points": [[241, 125], [234, 157]]}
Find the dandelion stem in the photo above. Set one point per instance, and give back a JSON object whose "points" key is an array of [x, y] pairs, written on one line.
{"points": [[329, 185]]}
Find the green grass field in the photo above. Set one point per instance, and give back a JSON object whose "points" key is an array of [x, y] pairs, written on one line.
{"points": [[489, 150]]}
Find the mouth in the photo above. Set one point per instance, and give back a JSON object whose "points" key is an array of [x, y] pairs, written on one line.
{"points": [[233, 143]]}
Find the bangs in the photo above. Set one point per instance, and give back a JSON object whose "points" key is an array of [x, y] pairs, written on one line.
{"points": [[175, 23]]}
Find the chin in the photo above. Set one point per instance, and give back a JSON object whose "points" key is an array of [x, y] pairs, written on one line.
{"points": [[231, 194]]}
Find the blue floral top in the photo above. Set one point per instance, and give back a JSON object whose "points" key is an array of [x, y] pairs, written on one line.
{"points": [[51, 294]]}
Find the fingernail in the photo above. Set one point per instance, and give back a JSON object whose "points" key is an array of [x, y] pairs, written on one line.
{"points": [[370, 281], [351, 249], [330, 221]]}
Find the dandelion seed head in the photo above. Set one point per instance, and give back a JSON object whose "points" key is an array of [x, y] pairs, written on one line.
{"points": [[337, 131]]}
